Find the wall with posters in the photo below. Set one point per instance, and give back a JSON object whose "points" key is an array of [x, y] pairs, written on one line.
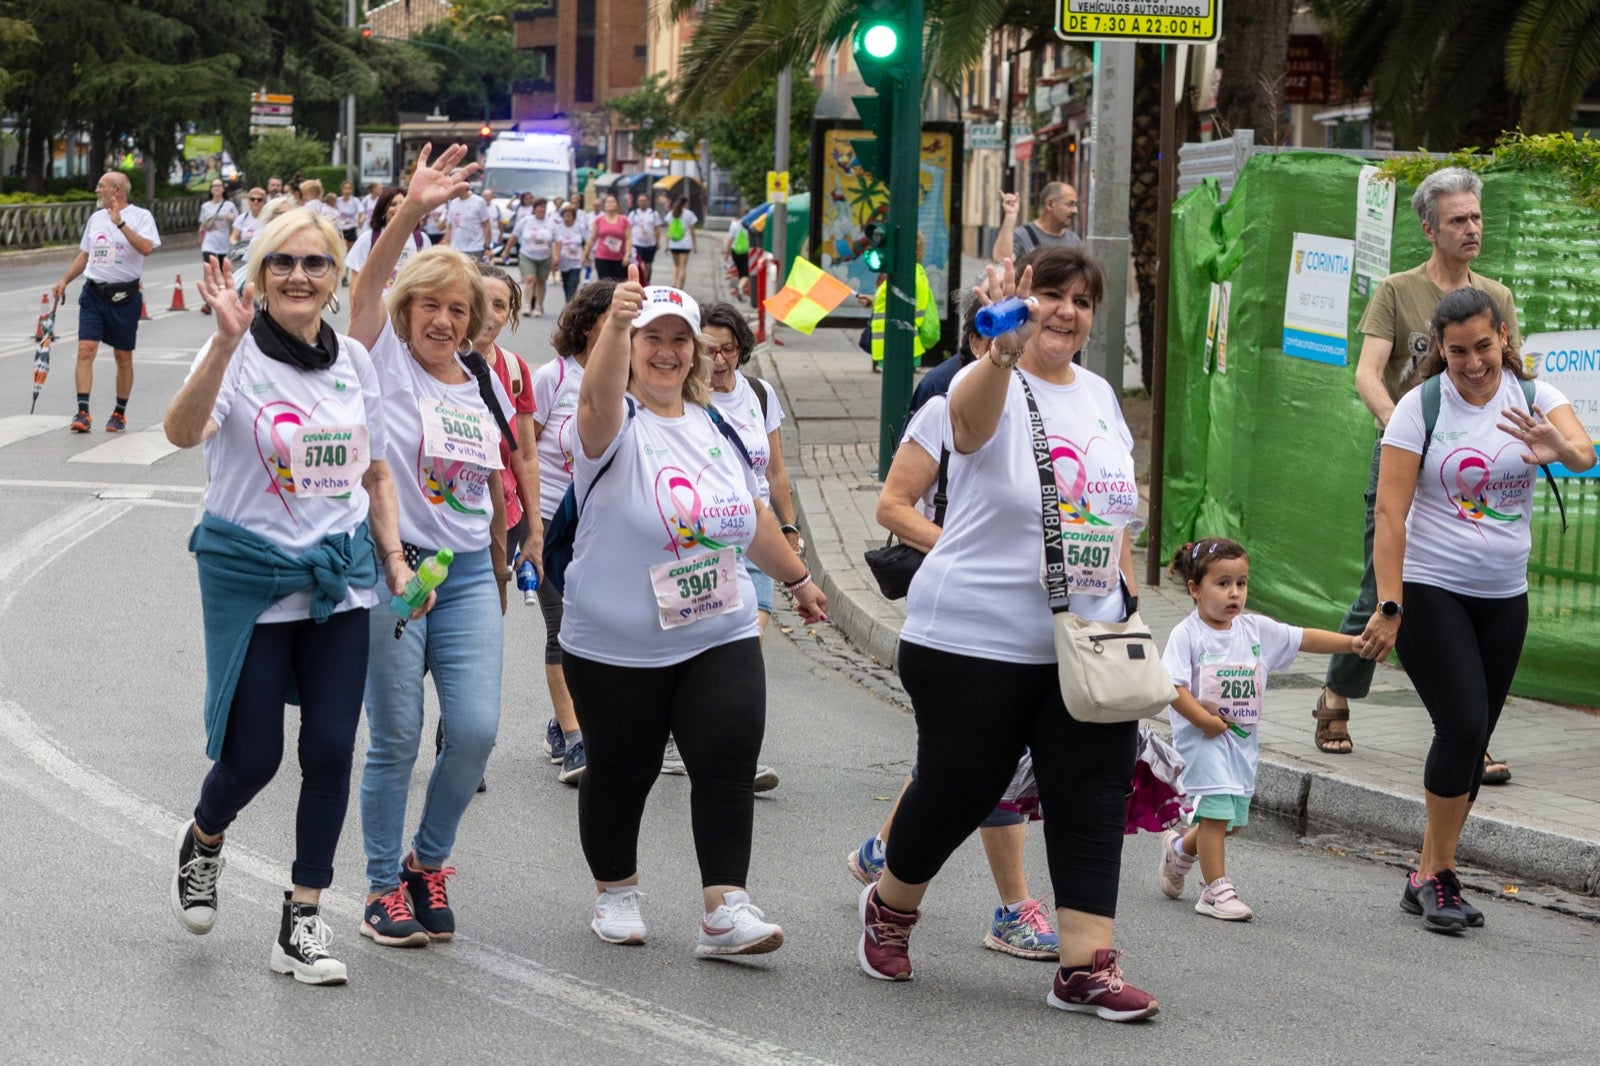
{"points": [[845, 198], [1267, 441]]}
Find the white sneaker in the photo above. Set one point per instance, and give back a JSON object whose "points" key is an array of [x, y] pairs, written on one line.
{"points": [[737, 928], [617, 919], [671, 761], [1173, 869], [1219, 900], [766, 778]]}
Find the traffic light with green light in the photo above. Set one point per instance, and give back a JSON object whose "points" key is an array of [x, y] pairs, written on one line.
{"points": [[878, 253], [880, 55]]}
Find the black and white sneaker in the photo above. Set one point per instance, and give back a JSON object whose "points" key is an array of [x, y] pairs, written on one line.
{"points": [[302, 947], [194, 883]]}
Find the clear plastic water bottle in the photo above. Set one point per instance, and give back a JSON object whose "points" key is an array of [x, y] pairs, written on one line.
{"points": [[429, 576], [998, 319], [528, 582]]}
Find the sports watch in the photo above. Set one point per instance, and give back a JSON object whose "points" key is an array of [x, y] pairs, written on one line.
{"points": [[1391, 609]]}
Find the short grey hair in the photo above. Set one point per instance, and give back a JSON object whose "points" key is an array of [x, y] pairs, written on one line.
{"points": [[1446, 182]]}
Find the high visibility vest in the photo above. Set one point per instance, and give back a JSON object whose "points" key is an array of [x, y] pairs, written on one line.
{"points": [[928, 328]]}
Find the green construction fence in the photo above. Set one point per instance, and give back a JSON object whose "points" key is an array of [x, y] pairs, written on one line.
{"points": [[1275, 451]]}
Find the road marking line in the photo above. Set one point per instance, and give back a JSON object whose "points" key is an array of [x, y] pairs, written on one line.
{"points": [[98, 486], [674, 1037], [143, 448], [20, 427], [54, 537]]}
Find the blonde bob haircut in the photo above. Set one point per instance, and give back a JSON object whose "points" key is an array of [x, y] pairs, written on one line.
{"points": [[431, 271], [697, 386], [278, 232]]}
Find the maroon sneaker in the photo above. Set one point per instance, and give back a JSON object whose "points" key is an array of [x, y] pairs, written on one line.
{"points": [[885, 933], [1102, 991]]}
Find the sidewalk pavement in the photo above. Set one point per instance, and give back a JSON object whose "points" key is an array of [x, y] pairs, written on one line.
{"points": [[1542, 827]]}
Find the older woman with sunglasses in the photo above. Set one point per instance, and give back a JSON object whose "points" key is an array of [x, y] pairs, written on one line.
{"points": [[444, 416], [297, 492]]}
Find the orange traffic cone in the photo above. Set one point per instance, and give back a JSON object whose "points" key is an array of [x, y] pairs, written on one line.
{"points": [[177, 294], [144, 308]]}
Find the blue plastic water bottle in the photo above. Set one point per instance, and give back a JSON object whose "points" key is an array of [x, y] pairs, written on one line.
{"points": [[528, 582], [998, 319]]}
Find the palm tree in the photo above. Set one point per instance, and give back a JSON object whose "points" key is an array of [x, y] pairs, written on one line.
{"points": [[1444, 73]]}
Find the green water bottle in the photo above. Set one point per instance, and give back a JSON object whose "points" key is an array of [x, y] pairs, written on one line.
{"points": [[429, 576]]}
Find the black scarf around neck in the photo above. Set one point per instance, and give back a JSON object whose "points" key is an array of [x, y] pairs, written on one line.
{"points": [[278, 343]]}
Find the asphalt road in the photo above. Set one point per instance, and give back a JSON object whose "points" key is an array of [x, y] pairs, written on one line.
{"points": [[101, 755]]}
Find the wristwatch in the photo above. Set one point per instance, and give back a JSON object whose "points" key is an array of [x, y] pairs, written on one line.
{"points": [[1391, 609], [122, 225]]}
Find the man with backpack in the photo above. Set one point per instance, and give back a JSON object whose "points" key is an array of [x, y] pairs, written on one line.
{"points": [[1053, 227], [1396, 337]]}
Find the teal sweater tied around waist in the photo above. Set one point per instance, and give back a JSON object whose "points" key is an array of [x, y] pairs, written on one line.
{"points": [[241, 575]]}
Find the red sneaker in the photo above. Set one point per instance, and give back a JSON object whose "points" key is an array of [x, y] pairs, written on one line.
{"points": [[1102, 991], [117, 423], [883, 952]]}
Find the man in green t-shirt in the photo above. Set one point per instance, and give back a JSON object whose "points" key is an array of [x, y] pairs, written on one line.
{"points": [[1395, 338]]}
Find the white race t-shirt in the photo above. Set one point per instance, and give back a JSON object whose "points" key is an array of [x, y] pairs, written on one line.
{"points": [[676, 482], [217, 220], [466, 219], [570, 240], [1474, 492], [111, 257], [367, 204], [248, 475], [248, 226], [742, 410], [1224, 765], [349, 208], [555, 398], [535, 236], [361, 250], [444, 503], [929, 429], [981, 591], [686, 242], [644, 221]]}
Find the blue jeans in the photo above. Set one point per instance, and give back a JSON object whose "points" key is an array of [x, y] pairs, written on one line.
{"points": [[460, 642], [763, 585]]}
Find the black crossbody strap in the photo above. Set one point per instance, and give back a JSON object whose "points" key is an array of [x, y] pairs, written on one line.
{"points": [[941, 495], [1055, 558]]}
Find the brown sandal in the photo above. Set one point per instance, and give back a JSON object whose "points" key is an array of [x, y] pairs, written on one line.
{"points": [[1326, 739], [1495, 772]]}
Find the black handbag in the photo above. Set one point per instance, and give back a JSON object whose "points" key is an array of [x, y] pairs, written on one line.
{"points": [[895, 564]]}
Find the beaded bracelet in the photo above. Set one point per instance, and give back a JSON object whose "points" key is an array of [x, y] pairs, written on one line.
{"points": [[796, 586]]}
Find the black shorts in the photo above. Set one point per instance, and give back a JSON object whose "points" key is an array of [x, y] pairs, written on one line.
{"points": [[217, 257], [105, 318], [741, 263], [645, 252], [349, 235]]}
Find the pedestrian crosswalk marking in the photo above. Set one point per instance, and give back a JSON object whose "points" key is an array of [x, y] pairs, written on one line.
{"points": [[21, 427], [131, 449]]}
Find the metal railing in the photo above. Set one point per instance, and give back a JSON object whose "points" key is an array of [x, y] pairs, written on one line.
{"points": [[38, 225]]}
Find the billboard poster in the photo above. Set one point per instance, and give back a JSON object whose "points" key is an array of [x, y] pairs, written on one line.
{"points": [[1316, 308], [1570, 361], [377, 158], [845, 198]]}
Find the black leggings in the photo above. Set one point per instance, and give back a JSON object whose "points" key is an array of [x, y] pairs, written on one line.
{"points": [[550, 607], [715, 705], [974, 718], [328, 664], [1460, 653]]}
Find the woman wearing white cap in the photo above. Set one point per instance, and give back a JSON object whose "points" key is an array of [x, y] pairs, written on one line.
{"points": [[659, 625]]}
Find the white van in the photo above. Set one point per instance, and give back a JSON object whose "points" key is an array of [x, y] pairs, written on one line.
{"points": [[540, 163]]}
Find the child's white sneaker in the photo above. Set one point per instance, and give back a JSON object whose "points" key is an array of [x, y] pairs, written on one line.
{"points": [[1219, 900], [1174, 867]]}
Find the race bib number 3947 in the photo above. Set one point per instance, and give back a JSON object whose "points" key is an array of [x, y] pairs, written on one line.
{"points": [[699, 587], [452, 432]]}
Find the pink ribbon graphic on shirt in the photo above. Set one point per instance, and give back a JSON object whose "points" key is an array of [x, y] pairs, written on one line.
{"points": [[284, 482], [1074, 504], [1472, 477], [686, 523]]}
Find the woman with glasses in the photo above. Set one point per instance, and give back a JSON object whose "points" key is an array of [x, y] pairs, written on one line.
{"points": [[659, 629], [216, 228], [444, 417], [287, 412]]}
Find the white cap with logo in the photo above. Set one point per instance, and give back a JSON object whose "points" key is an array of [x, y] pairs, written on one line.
{"points": [[662, 300]]}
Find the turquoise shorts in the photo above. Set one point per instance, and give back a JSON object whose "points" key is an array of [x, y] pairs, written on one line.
{"points": [[1235, 810]]}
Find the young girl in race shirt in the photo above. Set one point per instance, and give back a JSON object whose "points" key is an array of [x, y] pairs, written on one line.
{"points": [[1219, 658]]}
